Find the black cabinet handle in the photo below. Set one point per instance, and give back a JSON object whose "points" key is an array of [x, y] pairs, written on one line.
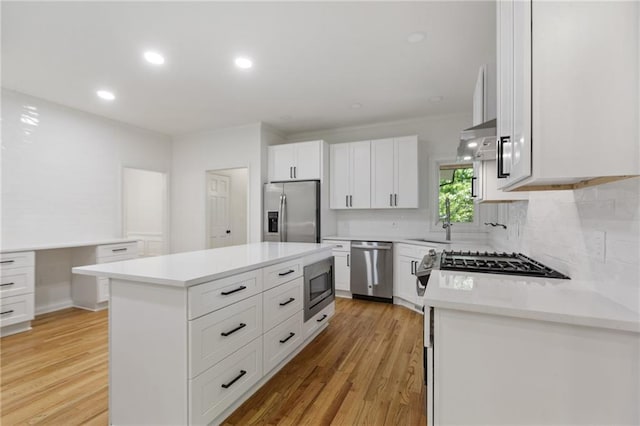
{"points": [[473, 181], [282, 274], [290, 172], [501, 173], [295, 172], [291, 299], [348, 260], [228, 231], [7, 312], [390, 200], [3, 285], [7, 261], [322, 319], [288, 337], [395, 200], [230, 332], [350, 200], [346, 201], [226, 293], [227, 385], [119, 249]]}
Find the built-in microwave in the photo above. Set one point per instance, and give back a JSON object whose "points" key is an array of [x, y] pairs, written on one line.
{"points": [[319, 286]]}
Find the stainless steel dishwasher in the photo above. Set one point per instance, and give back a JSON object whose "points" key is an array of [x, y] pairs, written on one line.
{"points": [[372, 270]]}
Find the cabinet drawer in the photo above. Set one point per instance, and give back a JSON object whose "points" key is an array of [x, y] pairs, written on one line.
{"points": [[339, 245], [281, 273], [128, 250], [208, 297], [215, 336], [282, 340], [103, 289], [217, 388], [16, 281], [17, 260], [409, 250], [318, 320], [281, 302], [16, 309]]}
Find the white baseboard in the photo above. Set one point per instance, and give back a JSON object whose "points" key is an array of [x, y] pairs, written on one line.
{"points": [[343, 294], [55, 307], [404, 303]]}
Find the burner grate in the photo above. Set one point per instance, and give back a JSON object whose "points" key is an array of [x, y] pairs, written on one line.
{"points": [[496, 263]]}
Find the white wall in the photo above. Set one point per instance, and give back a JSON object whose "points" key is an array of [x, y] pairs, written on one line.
{"points": [[591, 234], [438, 138], [238, 182], [62, 180], [144, 200], [61, 171], [195, 154]]}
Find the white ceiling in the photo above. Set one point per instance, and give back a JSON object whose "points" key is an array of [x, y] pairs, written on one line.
{"points": [[312, 61]]}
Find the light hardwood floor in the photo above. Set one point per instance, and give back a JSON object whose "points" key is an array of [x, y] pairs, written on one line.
{"points": [[366, 368]]}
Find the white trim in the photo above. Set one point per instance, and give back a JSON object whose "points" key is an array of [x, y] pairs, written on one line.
{"points": [[55, 307]]}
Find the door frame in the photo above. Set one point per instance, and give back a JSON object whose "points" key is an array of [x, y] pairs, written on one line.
{"points": [[166, 225]]}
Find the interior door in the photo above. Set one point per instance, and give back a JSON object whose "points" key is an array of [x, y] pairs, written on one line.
{"points": [[360, 175], [218, 230], [382, 175]]}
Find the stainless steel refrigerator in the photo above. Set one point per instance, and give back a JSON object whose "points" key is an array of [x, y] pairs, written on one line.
{"points": [[292, 212]]}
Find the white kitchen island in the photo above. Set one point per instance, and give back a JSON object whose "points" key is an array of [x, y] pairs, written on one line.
{"points": [[518, 350], [193, 335]]}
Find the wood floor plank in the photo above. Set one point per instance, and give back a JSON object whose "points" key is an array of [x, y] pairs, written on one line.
{"points": [[366, 368]]}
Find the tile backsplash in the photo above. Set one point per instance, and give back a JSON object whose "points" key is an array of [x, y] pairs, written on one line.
{"points": [[591, 234]]}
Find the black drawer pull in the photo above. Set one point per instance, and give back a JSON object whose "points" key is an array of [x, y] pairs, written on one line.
{"points": [[226, 293], [287, 338], [7, 312], [7, 261], [322, 319], [230, 332], [120, 249], [227, 385], [291, 299], [290, 271], [2, 285]]}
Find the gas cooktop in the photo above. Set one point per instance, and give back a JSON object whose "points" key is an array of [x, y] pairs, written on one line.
{"points": [[496, 263]]}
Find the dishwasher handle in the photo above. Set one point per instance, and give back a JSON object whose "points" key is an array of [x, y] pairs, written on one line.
{"points": [[371, 247]]}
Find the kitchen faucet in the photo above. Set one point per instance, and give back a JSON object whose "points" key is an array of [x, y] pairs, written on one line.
{"points": [[446, 219]]}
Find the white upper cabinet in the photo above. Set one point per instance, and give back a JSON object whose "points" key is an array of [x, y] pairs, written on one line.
{"points": [[567, 96], [350, 175], [394, 173], [295, 161], [484, 187]]}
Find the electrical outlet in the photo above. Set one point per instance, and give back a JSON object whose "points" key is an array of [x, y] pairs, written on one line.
{"points": [[594, 244]]}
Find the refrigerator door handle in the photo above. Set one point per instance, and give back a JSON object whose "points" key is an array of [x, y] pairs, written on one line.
{"points": [[283, 215], [280, 221]]}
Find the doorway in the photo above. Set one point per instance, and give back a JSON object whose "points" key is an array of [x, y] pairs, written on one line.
{"points": [[145, 210], [226, 207]]}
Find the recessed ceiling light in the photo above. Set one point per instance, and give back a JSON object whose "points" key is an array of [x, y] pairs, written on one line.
{"points": [[356, 105], [154, 57], [436, 98], [472, 144], [466, 158], [244, 63], [416, 37], [106, 95]]}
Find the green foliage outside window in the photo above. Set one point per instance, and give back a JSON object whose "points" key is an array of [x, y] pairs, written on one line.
{"points": [[458, 188]]}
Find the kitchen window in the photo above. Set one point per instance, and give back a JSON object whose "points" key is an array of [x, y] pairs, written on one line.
{"points": [[455, 182]]}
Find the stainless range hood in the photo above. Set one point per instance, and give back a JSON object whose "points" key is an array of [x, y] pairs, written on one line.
{"points": [[478, 142]]}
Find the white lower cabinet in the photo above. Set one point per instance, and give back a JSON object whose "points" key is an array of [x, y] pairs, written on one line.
{"points": [[407, 258], [282, 340], [92, 293], [342, 264], [218, 387], [17, 281], [194, 354]]}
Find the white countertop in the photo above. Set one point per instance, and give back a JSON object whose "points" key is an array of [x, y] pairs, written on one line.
{"points": [[35, 247], [564, 301], [456, 244], [196, 267]]}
